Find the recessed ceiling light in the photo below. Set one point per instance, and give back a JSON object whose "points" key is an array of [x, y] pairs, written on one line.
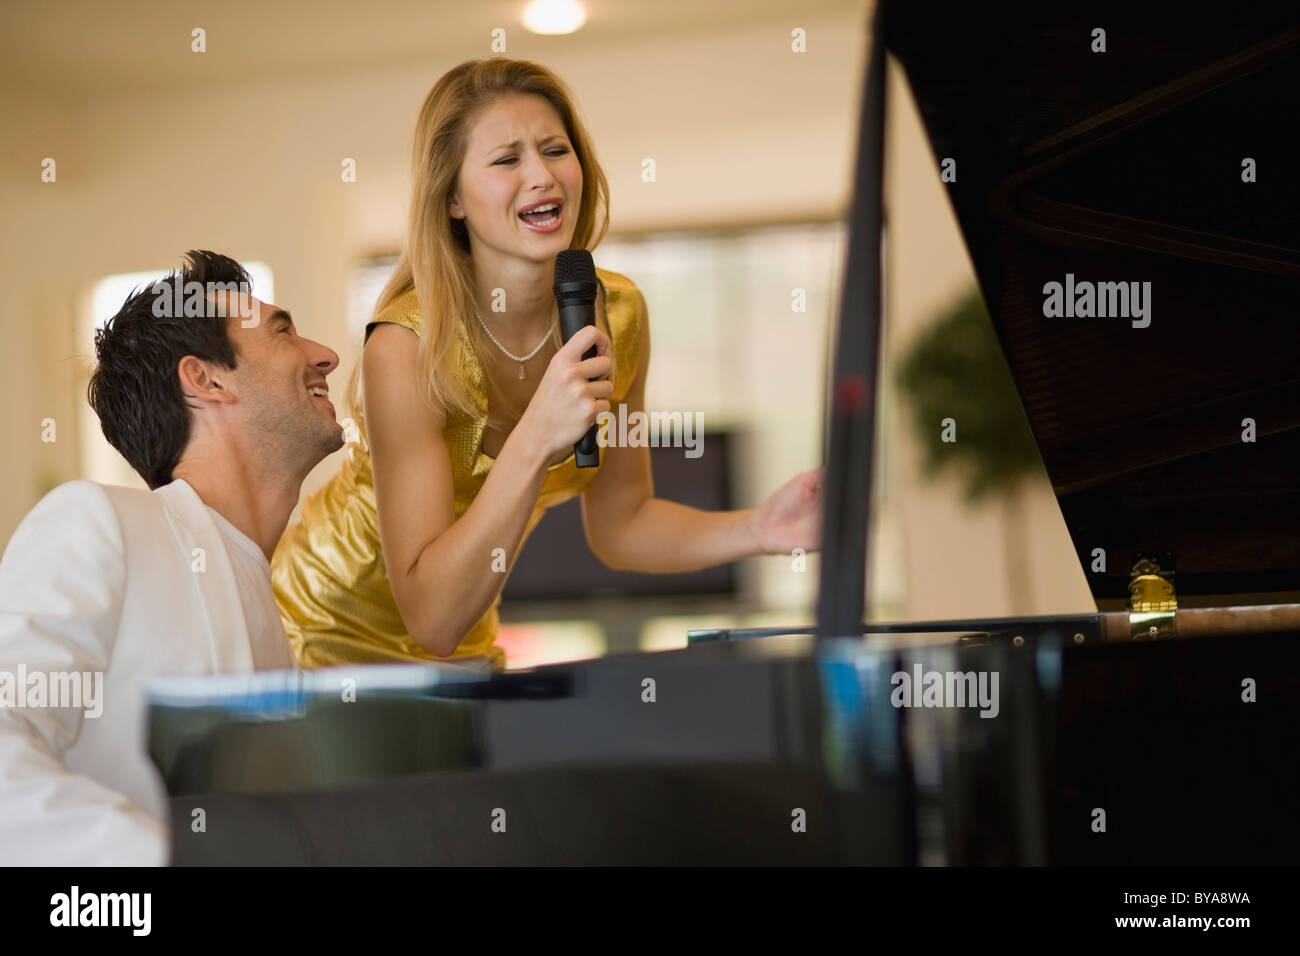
{"points": [[554, 16]]}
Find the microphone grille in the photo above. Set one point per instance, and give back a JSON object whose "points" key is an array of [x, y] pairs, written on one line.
{"points": [[575, 265]]}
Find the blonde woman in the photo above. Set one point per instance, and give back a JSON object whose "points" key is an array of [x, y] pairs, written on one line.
{"points": [[471, 412]]}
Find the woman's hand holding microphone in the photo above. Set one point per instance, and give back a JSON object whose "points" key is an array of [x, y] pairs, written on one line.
{"points": [[568, 401]]}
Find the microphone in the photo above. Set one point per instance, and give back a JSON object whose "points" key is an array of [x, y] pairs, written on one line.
{"points": [[575, 294]]}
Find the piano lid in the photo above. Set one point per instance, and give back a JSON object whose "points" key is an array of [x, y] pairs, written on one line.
{"points": [[1128, 167]]}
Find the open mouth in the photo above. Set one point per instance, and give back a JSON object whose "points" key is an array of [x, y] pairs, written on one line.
{"points": [[317, 391], [545, 218]]}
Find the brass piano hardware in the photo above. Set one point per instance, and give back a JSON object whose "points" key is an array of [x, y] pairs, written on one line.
{"points": [[1153, 601], [1078, 638], [1018, 641]]}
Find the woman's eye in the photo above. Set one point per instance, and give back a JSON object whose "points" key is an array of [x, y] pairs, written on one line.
{"points": [[558, 151]]}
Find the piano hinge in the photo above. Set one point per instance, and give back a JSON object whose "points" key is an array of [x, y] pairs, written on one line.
{"points": [[1152, 598]]}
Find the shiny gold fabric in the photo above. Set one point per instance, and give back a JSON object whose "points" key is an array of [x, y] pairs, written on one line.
{"points": [[328, 570]]}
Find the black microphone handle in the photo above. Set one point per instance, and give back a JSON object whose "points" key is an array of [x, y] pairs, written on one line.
{"points": [[574, 314]]}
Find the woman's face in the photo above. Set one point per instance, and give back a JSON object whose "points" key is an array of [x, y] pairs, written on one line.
{"points": [[517, 156]]}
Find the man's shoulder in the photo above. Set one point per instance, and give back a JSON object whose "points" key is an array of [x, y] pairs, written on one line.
{"points": [[84, 495], [76, 517], [78, 491], [83, 501], [74, 499]]}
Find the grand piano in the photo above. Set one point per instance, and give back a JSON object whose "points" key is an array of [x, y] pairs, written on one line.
{"points": [[1162, 729]]}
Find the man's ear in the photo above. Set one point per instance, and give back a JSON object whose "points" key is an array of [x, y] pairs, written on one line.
{"points": [[199, 382]]}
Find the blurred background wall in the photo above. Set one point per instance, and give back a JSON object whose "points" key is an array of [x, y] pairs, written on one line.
{"points": [[239, 149]]}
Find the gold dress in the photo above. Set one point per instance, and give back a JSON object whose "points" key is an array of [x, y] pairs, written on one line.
{"points": [[328, 570]]}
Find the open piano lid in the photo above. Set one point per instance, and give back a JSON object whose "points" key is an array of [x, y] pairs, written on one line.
{"points": [[1127, 166]]}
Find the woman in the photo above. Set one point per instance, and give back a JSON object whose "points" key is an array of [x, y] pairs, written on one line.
{"points": [[472, 406]]}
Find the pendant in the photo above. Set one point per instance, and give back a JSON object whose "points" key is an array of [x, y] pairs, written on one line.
{"points": [[521, 371]]}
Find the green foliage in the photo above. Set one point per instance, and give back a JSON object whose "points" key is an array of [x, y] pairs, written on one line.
{"points": [[956, 369]]}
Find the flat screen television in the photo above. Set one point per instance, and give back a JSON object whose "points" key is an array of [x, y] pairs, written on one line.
{"points": [[556, 563]]}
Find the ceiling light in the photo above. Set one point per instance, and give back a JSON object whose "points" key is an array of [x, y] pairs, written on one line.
{"points": [[554, 16]]}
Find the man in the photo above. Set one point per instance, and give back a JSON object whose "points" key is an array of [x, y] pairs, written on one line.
{"points": [[218, 403]]}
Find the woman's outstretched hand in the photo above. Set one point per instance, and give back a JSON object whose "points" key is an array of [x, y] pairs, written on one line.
{"points": [[792, 517]]}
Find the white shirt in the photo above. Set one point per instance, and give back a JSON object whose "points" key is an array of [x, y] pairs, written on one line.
{"points": [[266, 635]]}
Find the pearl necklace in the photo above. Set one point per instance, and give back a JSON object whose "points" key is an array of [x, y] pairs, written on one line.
{"points": [[521, 359]]}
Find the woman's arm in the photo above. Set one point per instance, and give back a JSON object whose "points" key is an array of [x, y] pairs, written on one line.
{"points": [[440, 569], [629, 529]]}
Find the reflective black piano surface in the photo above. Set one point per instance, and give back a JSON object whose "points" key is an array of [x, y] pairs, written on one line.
{"points": [[770, 750]]}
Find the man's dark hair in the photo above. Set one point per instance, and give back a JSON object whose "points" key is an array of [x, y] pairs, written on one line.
{"points": [[134, 389]]}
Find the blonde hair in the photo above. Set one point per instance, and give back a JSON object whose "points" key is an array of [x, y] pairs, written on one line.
{"points": [[436, 261]]}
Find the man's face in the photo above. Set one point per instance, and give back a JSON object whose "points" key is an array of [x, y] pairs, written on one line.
{"points": [[279, 381]]}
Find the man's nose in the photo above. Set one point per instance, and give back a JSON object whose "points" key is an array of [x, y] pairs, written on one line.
{"points": [[322, 356]]}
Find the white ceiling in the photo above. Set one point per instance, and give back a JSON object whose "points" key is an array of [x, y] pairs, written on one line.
{"points": [[96, 47]]}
